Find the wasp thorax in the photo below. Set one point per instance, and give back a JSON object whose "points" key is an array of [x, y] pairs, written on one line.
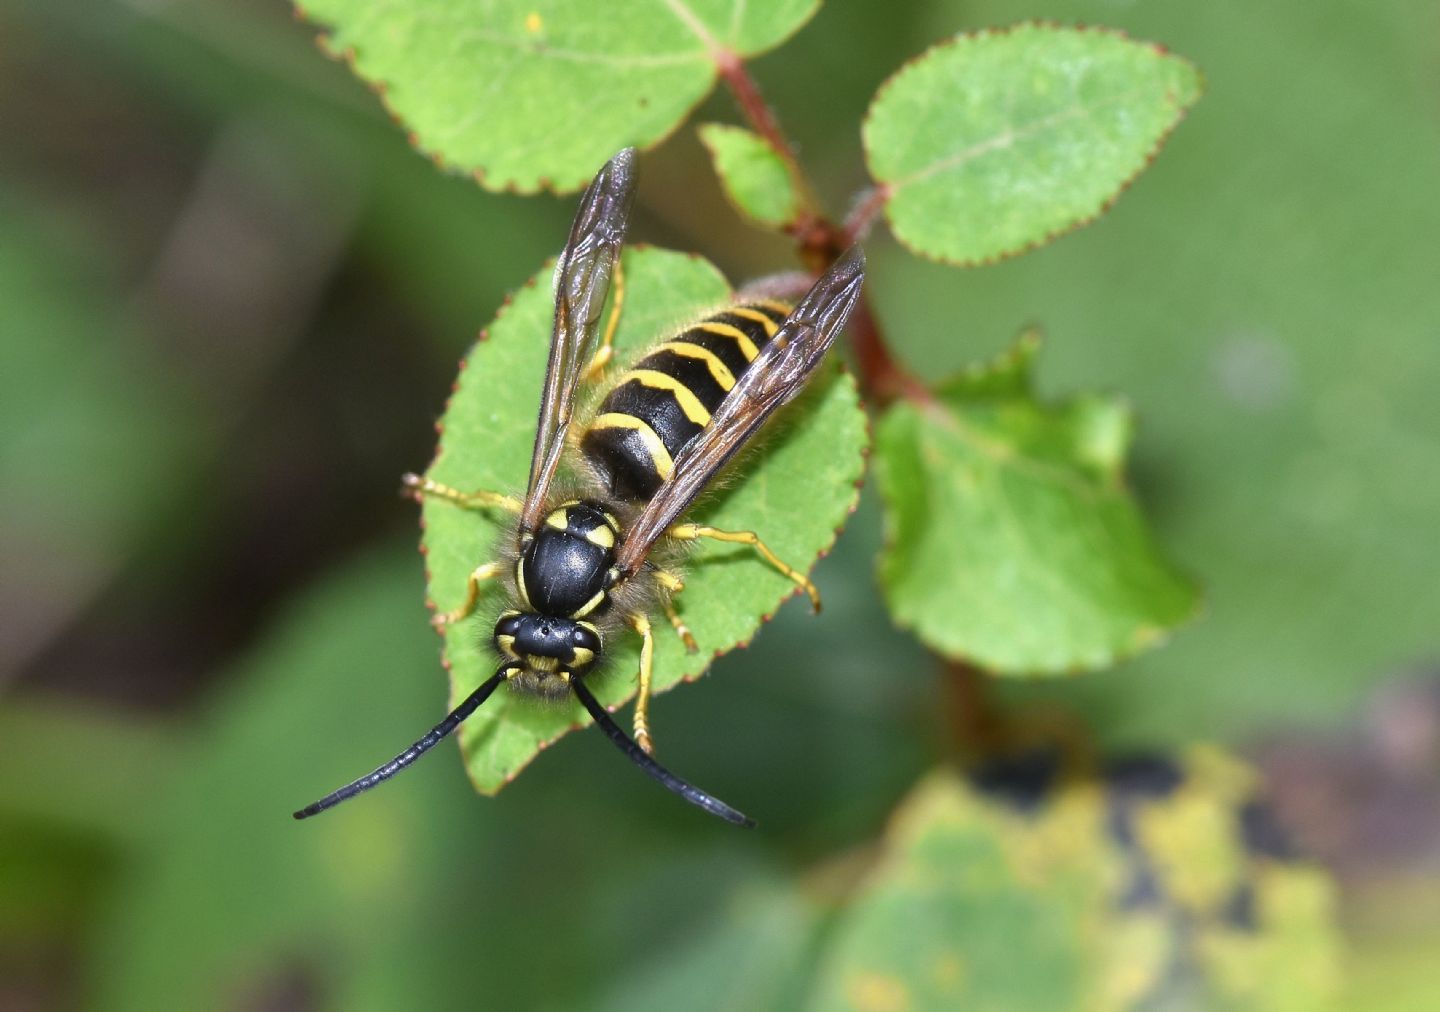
{"points": [[562, 567]]}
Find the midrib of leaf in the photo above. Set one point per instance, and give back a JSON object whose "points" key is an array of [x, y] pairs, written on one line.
{"points": [[692, 21], [1079, 110], [526, 47], [1006, 456]]}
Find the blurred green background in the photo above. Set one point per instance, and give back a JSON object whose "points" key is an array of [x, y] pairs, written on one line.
{"points": [[231, 303]]}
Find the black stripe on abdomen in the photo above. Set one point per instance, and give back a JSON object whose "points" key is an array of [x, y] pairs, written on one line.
{"points": [[665, 400], [623, 461], [659, 409]]}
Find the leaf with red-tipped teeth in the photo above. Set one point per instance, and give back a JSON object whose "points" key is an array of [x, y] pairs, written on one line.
{"points": [[527, 95], [994, 142], [795, 491]]}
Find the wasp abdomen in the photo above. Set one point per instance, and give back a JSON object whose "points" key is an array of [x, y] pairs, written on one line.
{"points": [[666, 399]]}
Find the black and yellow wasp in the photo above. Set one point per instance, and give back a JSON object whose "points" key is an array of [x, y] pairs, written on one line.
{"points": [[578, 569]]}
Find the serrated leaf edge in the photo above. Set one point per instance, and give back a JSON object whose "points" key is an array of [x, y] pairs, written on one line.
{"points": [[584, 721], [350, 56], [1181, 111]]}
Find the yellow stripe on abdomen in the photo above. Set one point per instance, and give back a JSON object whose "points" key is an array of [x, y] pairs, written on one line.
{"points": [[684, 396], [717, 368], [747, 346], [659, 456]]}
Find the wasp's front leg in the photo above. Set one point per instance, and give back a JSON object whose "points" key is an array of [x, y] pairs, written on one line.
{"points": [[481, 499], [481, 574]]}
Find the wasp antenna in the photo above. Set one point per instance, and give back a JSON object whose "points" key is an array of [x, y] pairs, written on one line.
{"points": [[640, 758], [425, 744]]}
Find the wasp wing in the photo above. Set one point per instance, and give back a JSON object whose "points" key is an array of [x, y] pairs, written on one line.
{"points": [[778, 373], [582, 280]]}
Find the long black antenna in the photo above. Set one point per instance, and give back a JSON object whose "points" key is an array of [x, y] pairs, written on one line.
{"points": [[642, 759], [425, 744]]}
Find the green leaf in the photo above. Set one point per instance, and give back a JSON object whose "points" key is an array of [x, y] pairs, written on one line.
{"points": [[795, 492], [302, 713], [753, 953], [1013, 541], [997, 141], [1249, 926], [1140, 888], [970, 908], [538, 93], [755, 177]]}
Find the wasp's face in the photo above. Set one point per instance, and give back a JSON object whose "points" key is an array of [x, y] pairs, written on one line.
{"points": [[551, 650]]}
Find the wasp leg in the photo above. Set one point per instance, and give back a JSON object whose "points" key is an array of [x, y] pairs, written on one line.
{"points": [[641, 625], [693, 532], [606, 351], [674, 585], [478, 500], [488, 571]]}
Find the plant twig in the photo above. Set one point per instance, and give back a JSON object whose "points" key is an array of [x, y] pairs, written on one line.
{"points": [[820, 240], [860, 219]]}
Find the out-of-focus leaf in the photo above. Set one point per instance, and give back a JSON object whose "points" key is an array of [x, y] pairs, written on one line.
{"points": [[754, 956], [1142, 888], [996, 141], [258, 894], [529, 94], [1013, 539], [1278, 342], [969, 908], [1249, 925], [795, 492], [754, 175]]}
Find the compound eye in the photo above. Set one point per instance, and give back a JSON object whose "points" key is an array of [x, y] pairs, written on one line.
{"points": [[585, 639], [509, 624]]}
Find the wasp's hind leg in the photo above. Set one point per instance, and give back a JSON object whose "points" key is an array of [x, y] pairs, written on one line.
{"points": [[694, 532], [674, 585], [641, 625], [481, 574], [606, 351], [481, 499]]}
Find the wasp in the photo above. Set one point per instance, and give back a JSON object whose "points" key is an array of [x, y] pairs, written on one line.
{"points": [[578, 567]]}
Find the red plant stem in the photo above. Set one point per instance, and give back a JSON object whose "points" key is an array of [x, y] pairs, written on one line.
{"points": [[882, 377], [975, 725], [859, 221], [820, 240], [753, 105]]}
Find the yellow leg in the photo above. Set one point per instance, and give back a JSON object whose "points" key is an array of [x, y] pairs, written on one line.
{"points": [[477, 500], [693, 532], [606, 351], [674, 585], [488, 571], [641, 624]]}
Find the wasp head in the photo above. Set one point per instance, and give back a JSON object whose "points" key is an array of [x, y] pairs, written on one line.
{"points": [[550, 650]]}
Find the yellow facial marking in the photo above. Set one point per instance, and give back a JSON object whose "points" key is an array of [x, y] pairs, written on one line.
{"points": [[538, 663], [558, 520], [659, 456], [718, 370], [506, 645], [754, 315], [689, 403], [747, 346], [582, 657]]}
